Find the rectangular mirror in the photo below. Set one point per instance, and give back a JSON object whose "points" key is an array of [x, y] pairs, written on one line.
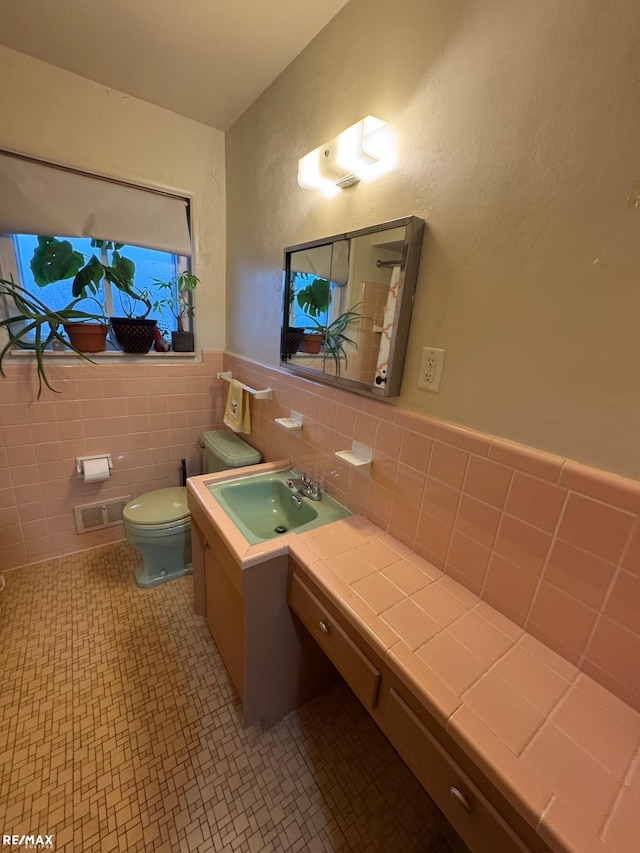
{"points": [[347, 306]]}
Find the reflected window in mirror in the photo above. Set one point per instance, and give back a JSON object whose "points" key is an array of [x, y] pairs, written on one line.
{"points": [[348, 306]]}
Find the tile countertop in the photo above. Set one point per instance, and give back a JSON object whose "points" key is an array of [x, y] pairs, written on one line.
{"points": [[562, 750]]}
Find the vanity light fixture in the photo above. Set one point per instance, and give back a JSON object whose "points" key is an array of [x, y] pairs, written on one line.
{"points": [[361, 152]]}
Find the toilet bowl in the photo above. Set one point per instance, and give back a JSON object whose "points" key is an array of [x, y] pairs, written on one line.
{"points": [[158, 523], [158, 526]]}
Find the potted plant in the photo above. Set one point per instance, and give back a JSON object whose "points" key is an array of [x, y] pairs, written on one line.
{"points": [[312, 341], [314, 299], [333, 337], [181, 286], [27, 315], [56, 260], [88, 336]]}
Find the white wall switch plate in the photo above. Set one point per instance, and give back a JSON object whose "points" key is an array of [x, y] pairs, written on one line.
{"points": [[431, 365]]}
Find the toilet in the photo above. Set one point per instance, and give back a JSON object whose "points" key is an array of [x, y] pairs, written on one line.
{"points": [[158, 523]]}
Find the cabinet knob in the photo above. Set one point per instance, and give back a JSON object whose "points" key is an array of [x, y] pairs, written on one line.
{"points": [[460, 798], [323, 627]]}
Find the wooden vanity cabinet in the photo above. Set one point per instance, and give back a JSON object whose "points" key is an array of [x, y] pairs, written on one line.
{"points": [[273, 663], [473, 807], [466, 808], [218, 580], [360, 674]]}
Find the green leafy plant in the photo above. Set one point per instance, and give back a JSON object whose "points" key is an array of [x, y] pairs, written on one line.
{"points": [[315, 298], [26, 315], [335, 336], [183, 284], [56, 260]]}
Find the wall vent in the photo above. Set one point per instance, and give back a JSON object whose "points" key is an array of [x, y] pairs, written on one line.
{"points": [[101, 514]]}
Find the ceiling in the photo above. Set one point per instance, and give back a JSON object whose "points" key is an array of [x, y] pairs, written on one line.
{"points": [[204, 59]]}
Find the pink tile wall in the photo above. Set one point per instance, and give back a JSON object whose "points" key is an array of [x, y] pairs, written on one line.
{"points": [[148, 416], [552, 544]]}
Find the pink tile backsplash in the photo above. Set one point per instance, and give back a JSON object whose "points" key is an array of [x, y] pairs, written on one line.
{"points": [[561, 621], [403, 521], [546, 466], [448, 464], [623, 605], [470, 560], [432, 539], [477, 520], [509, 588], [488, 481], [579, 573], [597, 527], [536, 501], [522, 543], [415, 450], [552, 544], [440, 500]]}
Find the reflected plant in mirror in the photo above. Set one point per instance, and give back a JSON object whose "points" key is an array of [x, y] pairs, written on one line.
{"points": [[347, 306], [335, 343], [309, 300]]}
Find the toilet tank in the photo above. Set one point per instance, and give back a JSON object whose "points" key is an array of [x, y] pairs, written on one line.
{"points": [[223, 449]]}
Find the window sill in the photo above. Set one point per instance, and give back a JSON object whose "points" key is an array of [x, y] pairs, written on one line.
{"points": [[108, 354]]}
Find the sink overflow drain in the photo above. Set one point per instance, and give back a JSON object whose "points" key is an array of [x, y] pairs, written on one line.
{"points": [[280, 529]]}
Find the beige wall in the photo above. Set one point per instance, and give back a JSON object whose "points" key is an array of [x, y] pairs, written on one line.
{"points": [[517, 128], [50, 113]]}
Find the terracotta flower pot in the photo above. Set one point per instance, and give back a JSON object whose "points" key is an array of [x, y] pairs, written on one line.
{"points": [[87, 337], [311, 343]]}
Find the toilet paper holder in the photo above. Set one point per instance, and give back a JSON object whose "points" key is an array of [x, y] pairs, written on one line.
{"points": [[80, 460]]}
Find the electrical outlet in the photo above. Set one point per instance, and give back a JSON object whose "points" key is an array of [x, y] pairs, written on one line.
{"points": [[431, 365]]}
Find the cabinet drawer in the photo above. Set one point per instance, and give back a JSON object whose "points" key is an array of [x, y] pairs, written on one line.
{"points": [[470, 813], [359, 673]]}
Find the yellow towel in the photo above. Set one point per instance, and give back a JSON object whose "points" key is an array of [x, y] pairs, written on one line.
{"points": [[236, 413]]}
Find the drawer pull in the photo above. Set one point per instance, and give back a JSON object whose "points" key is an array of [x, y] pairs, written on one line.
{"points": [[460, 798], [323, 627]]}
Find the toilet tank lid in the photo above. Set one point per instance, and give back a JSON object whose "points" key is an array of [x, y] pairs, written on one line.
{"points": [[161, 505], [230, 449]]}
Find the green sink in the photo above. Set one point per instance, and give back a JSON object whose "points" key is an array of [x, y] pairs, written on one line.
{"points": [[262, 506]]}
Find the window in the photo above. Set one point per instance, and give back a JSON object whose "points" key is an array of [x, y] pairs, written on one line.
{"points": [[149, 230], [317, 284], [17, 251], [314, 298]]}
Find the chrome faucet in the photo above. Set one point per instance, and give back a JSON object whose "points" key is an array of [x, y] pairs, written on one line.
{"points": [[306, 487]]}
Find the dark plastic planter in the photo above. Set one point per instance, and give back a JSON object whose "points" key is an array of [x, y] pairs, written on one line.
{"points": [[182, 341], [133, 334], [293, 339]]}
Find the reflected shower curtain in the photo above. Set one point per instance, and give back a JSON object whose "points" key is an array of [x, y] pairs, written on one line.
{"points": [[387, 327]]}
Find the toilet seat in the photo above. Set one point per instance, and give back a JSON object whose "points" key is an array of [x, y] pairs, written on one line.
{"points": [[148, 530], [158, 510]]}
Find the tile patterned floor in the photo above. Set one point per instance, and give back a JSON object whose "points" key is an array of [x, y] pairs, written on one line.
{"points": [[120, 731]]}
